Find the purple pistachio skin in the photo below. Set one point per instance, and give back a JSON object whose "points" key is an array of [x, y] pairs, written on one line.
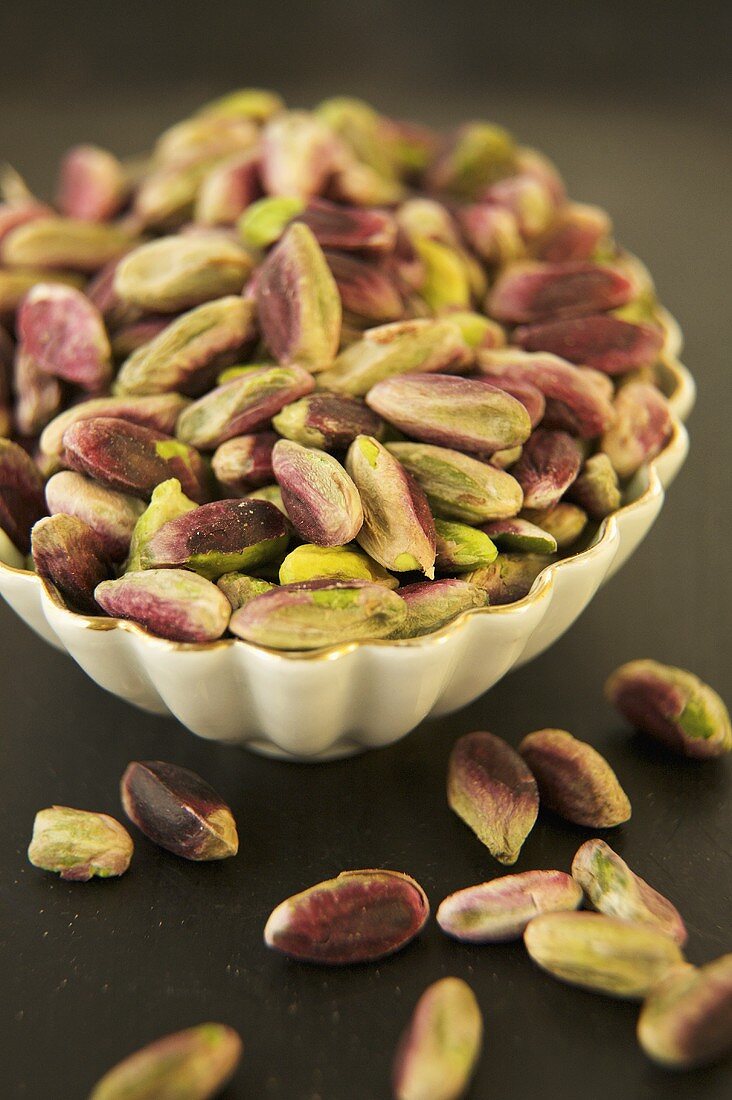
{"points": [[358, 917], [686, 1021], [366, 291], [22, 501], [69, 554], [591, 411], [13, 215], [7, 353], [111, 515], [131, 458], [330, 421], [491, 788], [244, 463], [319, 496], [461, 413], [432, 604], [159, 412], [574, 780], [218, 538], [510, 577], [673, 706], [439, 1050], [64, 333], [91, 184], [613, 889], [243, 405], [349, 228], [178, 810], [601, 341], [499, 910], [641, 429], [596, 489], [575, 234], [540, 291], [38, 395], [549, 463], [175, 604], [520, 534], [529, 395], [128, 338]]}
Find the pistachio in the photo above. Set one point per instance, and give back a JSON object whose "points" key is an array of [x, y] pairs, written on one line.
{"points": [[591, 410], [492, 232], [423, 219], [317, 613], [433, 604], [69, 554], [524, 391], [14, 214], [447, 284], [228, 189], [496, 911], [203, 138], [178, 810], [188, 353], [171, 603], [673, 706], [242, 405], [576, 233], [564, 522], [686, 1020], [66, 243], [166, 197], [21, 494], [601, 341], [478, 331], [510, 577], [299, 154], [399, 348], [176, 273], [93, 185], [533, 163], [349, 228], [240, 589], [367, 292], [319, 496], [218, 538], [490, 787], [439, 1050], [411, 144], [596, 487], [520, 534], [128, 338], [189, 1065], [159, 411], [111, 515], [38, 395], [79, 844], [574, 780], [272, 493], [549, 463], [64, 333], [16, 282], [132, 459], [257, 104], [360, 128], [613, 889], [298, 302], [244, 463], [461, 548], [475, 156], [529, 199], [360, 916], [168, 501], [457, 486], [264, 221], [330, 421], [461, 413], [601, 953], [307, 562], [398, 529], [642, 428], [532, 291]]}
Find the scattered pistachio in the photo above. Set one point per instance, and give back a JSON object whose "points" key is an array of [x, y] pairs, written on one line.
{"points": [[673, 706], [194, 1064], [601, 953], [612, 888], [79, 844], [360, 916], [490, 787], [500, 910], [574, 780], [178, 810], [686, 1020], [439, 1050]]}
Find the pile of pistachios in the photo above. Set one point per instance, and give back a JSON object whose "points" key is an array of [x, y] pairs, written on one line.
{"points": [[314, 376]]}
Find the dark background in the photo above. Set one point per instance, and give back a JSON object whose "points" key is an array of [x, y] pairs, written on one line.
{"points": [[632, 100]]}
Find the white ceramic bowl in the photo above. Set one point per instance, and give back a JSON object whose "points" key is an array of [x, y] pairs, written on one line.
{"points": [[358, 695]]}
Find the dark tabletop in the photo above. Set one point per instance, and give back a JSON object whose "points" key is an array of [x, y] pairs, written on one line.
{"points": [[90, 972]]}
